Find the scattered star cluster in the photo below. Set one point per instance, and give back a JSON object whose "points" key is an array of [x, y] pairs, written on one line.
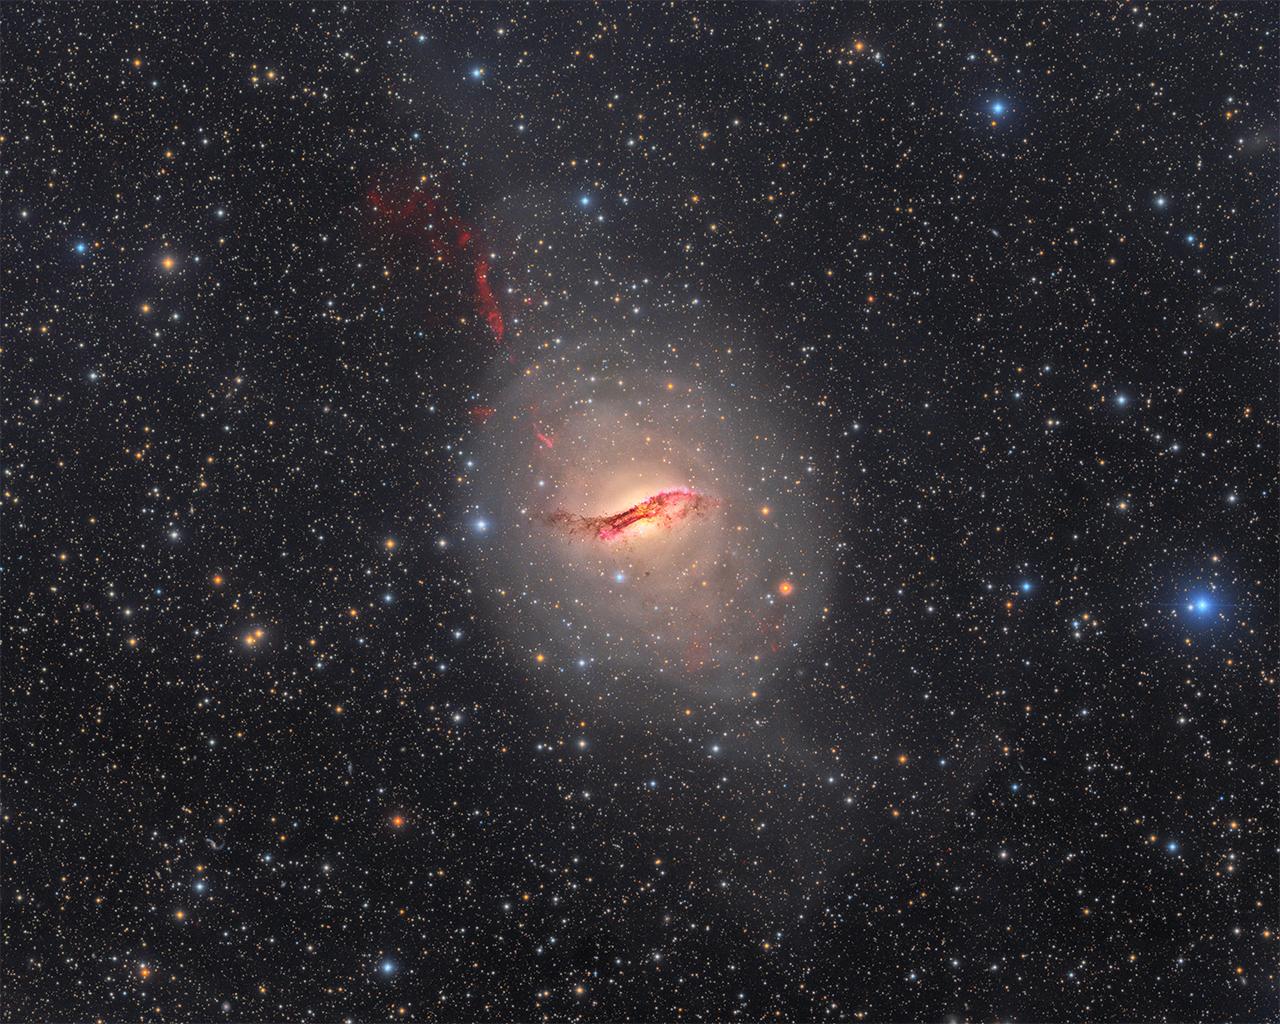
{"points": [[639, 512]]}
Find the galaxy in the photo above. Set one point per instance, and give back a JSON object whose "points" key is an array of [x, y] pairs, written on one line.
{"points": [[639, 512], [626, 525]]}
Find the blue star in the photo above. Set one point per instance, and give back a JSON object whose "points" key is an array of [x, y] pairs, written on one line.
{"points": [[387, 967], [997, 107], [81, 248], [1026, 586]]}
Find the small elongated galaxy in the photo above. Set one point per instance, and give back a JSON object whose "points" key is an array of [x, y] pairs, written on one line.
{"points": [[639, 512]]}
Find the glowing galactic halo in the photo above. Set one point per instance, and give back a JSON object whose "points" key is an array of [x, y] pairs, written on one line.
{"points": [[634, 531]]}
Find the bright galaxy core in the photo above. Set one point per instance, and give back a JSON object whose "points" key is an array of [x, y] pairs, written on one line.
{"points": [[632, 527], [663, 511]]}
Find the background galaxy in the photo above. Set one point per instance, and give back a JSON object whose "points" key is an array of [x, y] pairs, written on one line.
{"points": [[347, 673]]}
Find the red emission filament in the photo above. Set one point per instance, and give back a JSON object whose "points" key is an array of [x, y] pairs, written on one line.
{"points": [[451, 240]]}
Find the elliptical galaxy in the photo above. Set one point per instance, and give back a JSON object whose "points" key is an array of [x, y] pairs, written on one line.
{"points": [[642, 521]]}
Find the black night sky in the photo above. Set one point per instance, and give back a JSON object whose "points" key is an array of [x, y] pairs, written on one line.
{"points": [[649, 512]]}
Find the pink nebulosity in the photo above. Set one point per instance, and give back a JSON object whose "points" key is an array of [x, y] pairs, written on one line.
{"points": [[451, 240], [666, 508]]}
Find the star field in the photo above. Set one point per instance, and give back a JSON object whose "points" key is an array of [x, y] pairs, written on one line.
{"points": [[639, 512]]}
